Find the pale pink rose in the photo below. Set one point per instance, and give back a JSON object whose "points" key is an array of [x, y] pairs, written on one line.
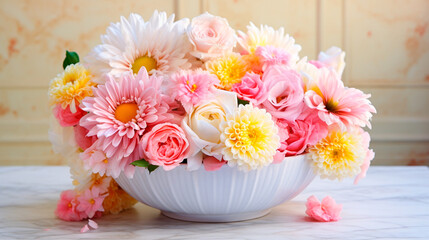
{"points": [[211, 36], [66, 118], [270, 56], [285, 93], [251, 88], [165, 145], [66, 208], [91, 201], [212, 163], [82, 140], [326, 211]]}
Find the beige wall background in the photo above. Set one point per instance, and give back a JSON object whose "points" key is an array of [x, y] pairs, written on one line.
{"points": [[386, 41]]}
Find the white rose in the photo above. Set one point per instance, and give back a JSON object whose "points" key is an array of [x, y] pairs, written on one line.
{"points": [[202, 127]]}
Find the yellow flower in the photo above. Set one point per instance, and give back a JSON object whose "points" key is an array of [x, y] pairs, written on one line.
{"points": [[71, 86], [340, 154], [229, 68], [249, 138], [117, 200]]}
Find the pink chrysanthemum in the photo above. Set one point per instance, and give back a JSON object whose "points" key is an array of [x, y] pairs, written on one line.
{"points": [[66, 208], [270, 56], [192, 87], [119, 114], [91, 201], [338, 104]]}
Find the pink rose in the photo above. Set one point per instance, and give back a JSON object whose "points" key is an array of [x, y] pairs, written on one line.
{"points": [[285, 93], [326, 211], [82, 140], [251, 88], [211, 36], [299, 136], [319, 129], [165, 145], [66, 118]]}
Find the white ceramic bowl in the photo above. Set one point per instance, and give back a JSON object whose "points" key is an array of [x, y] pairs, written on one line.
{"points": [[220, 196]]}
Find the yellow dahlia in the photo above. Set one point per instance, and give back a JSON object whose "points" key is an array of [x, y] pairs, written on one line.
{"points": [[340, 154], [71, 86], [249, 138], [117, 200], [229, 68]]}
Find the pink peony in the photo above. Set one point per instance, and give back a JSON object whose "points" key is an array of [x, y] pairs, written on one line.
{"points": [[299, 136], [66, 118], [284, 93], [251, 88], [119, 114], [66, 208], [338, 104], [211, 36], [91, 201], [193, 87], [82, 140], [270, 56], [326, 211], [212, 163], [165, 145]]}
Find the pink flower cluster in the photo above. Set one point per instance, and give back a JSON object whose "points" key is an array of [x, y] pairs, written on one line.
{"points": [[74, 206]]}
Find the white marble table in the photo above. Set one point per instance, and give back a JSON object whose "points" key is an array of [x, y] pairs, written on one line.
{"points": [[391, 203]]}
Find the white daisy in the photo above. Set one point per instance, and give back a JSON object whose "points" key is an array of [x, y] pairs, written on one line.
{"points": [[160, 45], [267, 36]]}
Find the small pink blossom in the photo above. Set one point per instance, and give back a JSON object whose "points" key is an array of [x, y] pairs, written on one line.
{"points": [[337, 104], [82, 140], [211, 36], [193, 87], [270, 56], [285, 93], [326, 211], [251, 88], [212, 163], [66, 208], [165, 145], [91, 201], [96, 160], [66, 118]]}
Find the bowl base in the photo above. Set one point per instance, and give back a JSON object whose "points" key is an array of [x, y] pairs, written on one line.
{"points": [[219, 218]]}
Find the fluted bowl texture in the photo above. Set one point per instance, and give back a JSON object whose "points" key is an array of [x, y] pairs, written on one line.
{"points": [[225, 195]]}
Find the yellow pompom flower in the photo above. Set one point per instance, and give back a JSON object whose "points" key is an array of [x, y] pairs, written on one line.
{"points": [[340, 154], [229, 68], [117, 199], [71, 86], [249, 138]]}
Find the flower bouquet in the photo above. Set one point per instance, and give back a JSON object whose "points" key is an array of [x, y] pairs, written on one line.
{"points": [[168, 104]]}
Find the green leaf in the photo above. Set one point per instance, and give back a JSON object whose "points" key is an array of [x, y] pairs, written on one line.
{"points": [[71, 58], [141, 163], [152, 168], [145, 164], [242, 102]]}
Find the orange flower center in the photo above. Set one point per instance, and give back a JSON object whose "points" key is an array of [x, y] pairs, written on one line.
{"points": [[148, 62], [92, 201], [69, 205], [126, 112]]}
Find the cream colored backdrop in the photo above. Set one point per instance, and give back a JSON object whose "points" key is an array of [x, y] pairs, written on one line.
{"points": [[387, 45]]}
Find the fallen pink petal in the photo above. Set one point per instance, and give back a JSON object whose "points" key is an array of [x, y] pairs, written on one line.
{"points": [[327, 211], [92, 224], [84, 229]]}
